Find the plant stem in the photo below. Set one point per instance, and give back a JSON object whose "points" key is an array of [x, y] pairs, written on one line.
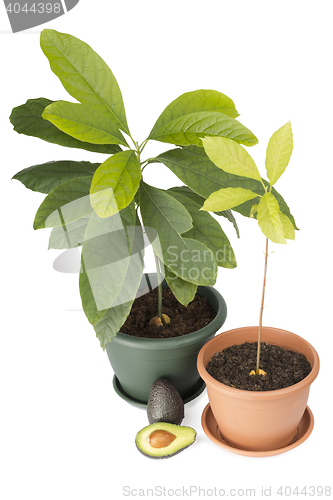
{"points": [[262, 308], [265, 187], [142, 145], [159, 308]]}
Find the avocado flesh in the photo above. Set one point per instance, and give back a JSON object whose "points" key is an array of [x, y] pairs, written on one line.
{"points": [[184, 437], [165, 404]]}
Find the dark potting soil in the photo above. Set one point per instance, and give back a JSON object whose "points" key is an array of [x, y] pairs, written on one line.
{"points": [[283, 367], [183, 319]]}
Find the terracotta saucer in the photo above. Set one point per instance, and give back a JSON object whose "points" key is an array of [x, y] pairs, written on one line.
{"points": [[199, 388], [211, 429]]}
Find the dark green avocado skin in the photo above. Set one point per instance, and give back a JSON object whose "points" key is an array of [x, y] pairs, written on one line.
{"points": [[165, 404]]}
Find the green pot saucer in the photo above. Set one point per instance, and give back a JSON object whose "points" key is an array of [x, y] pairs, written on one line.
{"points": [[199, 388]]}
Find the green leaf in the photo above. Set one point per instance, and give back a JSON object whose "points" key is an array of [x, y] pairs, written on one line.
{"points": [[254, 210], [227, 198], [112, 321], [115, 183], [69, 235], [269, 218], [187, 258], [288, 228], [112, 262], [231, 218], [91, 310], [184, 291], [283, 205], [193, 167], [84, 74], [207, 230], [27, 119], [193, 102], [189, 129], [278, 153], [47, 176], [230, 157], [186, 191], [66, 203], [83, 122]]}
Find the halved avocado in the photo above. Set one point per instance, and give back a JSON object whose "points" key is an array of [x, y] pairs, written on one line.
{"points": [[163, 440]]}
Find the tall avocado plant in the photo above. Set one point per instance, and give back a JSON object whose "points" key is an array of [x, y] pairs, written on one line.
{"points": [[107, 207]]}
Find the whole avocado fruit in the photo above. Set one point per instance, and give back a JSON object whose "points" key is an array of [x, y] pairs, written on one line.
{"points": [[165, 404], [163, 440]]}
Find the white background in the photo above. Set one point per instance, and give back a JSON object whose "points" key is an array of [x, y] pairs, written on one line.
{"points": [[64, 433]]}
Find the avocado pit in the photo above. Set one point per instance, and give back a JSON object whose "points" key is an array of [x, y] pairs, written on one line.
{"points": [[161, 438], [160, 321]]}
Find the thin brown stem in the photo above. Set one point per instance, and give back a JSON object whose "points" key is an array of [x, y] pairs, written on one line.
{"points": [[262, 308], [159, 284]]}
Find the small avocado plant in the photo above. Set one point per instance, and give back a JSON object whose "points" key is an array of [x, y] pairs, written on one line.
{"points": [[274, 223], [108, 208]]}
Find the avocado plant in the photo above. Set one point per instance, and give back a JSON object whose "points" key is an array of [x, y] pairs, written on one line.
{"points": [[274, 223], [108, 208]]}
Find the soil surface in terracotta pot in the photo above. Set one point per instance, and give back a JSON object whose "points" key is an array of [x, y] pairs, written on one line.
{"points": [[183, 319], [232, 367]]}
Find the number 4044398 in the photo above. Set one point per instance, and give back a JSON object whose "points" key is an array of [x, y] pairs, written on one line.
{"points": [[35, 8]]}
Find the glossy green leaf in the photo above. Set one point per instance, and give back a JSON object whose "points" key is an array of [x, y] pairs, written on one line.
{"points": [[207, 230], [269, 220], [83, 122], [288, 228], [47, 176], [27, 119], [278, 153], [187, 258], [115, 183], [84, 74], [191, 128], [66, 203], [184, 291], [69, 235], [227, 198], [230, 157], [193, 102], [112, 262]]}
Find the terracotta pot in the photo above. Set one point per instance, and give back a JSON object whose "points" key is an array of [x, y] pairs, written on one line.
{"points": [[257, 421]]}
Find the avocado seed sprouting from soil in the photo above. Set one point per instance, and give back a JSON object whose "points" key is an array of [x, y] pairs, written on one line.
{"points": [[160, 321]]}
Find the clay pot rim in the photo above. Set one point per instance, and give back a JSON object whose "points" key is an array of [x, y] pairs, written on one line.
{"points": [[258, 395]]}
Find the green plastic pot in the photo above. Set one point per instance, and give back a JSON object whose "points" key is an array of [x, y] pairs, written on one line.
{"points": [[138, 362]]}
